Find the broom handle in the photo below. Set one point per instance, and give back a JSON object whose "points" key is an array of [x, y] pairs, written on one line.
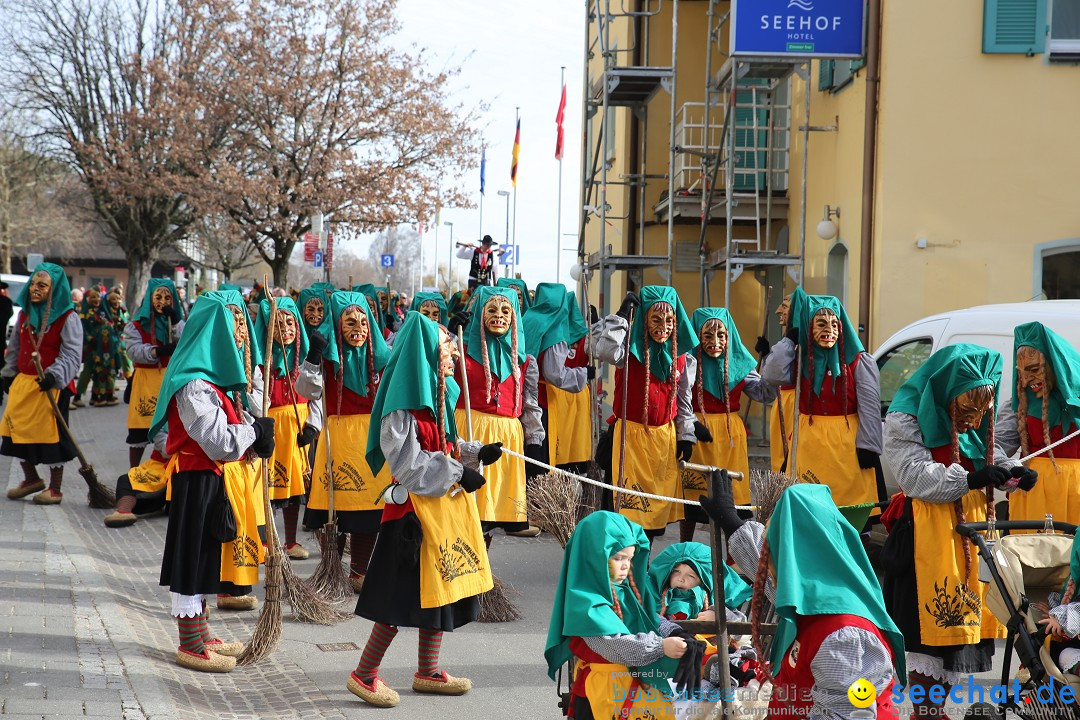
{"points": [[465, 385], [271, 530], [795, 416], [708, 469], [329, 456], [56, 410], [625, 392], [761, 358]]}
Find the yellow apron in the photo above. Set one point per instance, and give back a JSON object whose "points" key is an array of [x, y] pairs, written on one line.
{"points": [[1057, 492], [569, 431], [784, 402], [950, 612], [28, 417], [287, 473], [355, 488], [240, 558], [650, 467], [145, 388], [502, 498], [613, 693], [826, 456], [453, 558], [148, 477], [725, 451]]}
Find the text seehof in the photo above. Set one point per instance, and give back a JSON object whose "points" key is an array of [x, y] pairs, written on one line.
{"points": [[791, 22]]}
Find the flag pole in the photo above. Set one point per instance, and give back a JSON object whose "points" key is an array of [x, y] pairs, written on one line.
{"points": [[558, 211], [483, 161], [513, 242]]}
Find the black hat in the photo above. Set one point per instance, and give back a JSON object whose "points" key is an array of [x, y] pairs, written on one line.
{"points": [[3, 285], [487, 240]]}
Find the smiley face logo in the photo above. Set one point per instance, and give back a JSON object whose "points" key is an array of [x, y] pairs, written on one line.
{"points": [[862, 693]]}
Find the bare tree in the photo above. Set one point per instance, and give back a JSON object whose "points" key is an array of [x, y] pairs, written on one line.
{"points": [[403, 242], [329, 117], [224, 248]]}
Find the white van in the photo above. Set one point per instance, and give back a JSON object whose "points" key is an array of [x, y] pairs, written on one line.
{"points": [[15, 285], [987, 325]]}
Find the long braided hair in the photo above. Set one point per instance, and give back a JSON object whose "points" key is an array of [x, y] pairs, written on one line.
{"points": [[515, 368], [761, 577], [672, 378], [238, 404], [699, 387], [982, 394], [1026, 354], [615, 605]]}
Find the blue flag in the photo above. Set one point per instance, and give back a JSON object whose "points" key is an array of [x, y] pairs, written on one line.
{"points": [[483, 167]]}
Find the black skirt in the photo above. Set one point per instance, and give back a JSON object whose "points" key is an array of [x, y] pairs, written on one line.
{"points": [[191, 563], [138, 436], [902, 602], [56, 453], [364, 522], [391, 591]]}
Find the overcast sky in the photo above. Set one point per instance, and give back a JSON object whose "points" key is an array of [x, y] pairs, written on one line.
{"points": [[510, 53]]}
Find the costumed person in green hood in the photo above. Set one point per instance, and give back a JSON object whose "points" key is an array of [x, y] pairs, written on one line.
{"points": [[839, 413], [458, 302], [659, 422], [313, 304], [101, 350], [555, 336], [375, 295], [352, 364], [522, 290], [120, 318], [431, 305], [782, 415], [203, 402], [503, 385], [832, 628], [49, 327], [430, 563], [724, 370], [939, 443], [296, 422], [151, 338], [1045, 408], [606, 621]]}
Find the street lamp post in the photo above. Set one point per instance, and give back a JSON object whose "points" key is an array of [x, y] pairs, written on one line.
{"points": [[506, 194], [450, 259]]}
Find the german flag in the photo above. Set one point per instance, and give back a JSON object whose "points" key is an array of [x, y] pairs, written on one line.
{"points": [[517, 148]]}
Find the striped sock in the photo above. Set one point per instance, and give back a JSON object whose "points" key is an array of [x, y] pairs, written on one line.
{"points": [[191, 638], [381, 637], [204, 625], [56, 476], [290, 513], [428, 654], [362, 545]]}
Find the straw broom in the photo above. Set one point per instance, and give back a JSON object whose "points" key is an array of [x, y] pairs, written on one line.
{"points": [[267, 632], [553, 502]]}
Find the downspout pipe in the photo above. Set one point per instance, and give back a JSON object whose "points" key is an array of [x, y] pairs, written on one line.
{"points": [[866, 244]]}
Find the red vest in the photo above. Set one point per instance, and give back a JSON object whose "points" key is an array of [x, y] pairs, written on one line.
{"points": [[715, 405], [283, 391], [830, 401], [1066, 450], [351, 403], [180, 443], [943, 455], [576, 358], [791, 696], [660, 393], [427, 432], [146, 338], [502, 393], [50, 344]]}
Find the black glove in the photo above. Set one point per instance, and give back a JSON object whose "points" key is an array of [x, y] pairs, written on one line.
{"points": [[989, 475], [264, 437], [317, 342], [701, 432], [792, 334], [306, 436], [684, 450], [48, 382], [590, 373], [471, 481], [172, 312], [1026, 475], [687, 676], [629, 302], [762, 346], [594, 317], [721, 506], [867, 458], [489, 453], [165, 349], [460, 319]]}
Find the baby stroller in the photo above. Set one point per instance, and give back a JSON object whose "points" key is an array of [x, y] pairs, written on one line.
{"points": [[1022, 570]]}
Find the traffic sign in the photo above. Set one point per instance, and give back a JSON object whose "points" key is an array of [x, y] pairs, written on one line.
{"points": [[512, 256], [387, 261], [317, 257]]}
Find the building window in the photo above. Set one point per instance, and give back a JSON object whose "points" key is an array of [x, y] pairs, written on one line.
{"points": [[1014, 26], [1060, 270], [835, 75], [1064, 43], [836, 272]]}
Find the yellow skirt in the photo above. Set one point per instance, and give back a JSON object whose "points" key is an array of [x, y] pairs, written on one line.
{"points": [[145, 388], [148, 477], [28, 417], [287, 473], [784, 403], [1057, 492], [826, 456], [725, 451], [240, 558], [569, 433], [650, 467], [355, 488], [502, 498]]}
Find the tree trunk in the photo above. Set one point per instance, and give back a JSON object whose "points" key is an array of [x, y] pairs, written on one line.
{"points": [[280, 268], [139, 269]]}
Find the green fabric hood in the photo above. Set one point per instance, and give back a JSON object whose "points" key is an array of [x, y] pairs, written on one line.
{"points": [[372, 292], [523, 300], [411, 382], [499, 346], [927, 394], [660, 357], [1064, 363], [802, 317], [699, 557], [822, 569], [421, 297], [355, 370], [145, 315], [546, 323], [740, 362], [59, 300], [322, 291], [282, 365]]}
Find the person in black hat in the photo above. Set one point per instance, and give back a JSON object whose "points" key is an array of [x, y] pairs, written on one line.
{"points": [[481, 272], [7, 309]]}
